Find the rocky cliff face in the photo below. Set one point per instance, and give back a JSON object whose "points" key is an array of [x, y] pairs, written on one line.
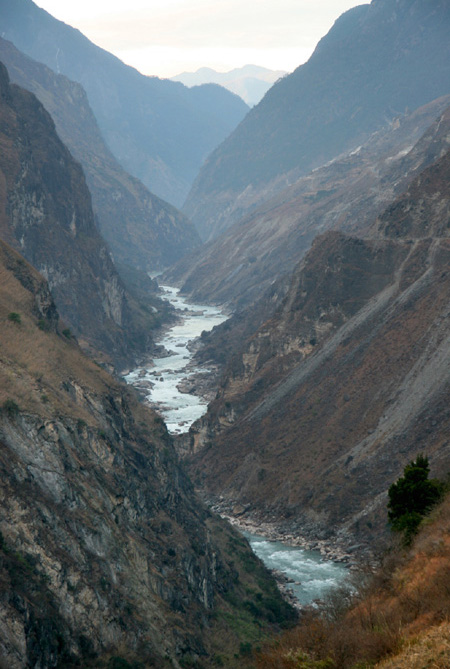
{"points": [[347, 194], [142, 231], [377, 61], [324, 405], [46, 213], [105, 552], [167, 131]]}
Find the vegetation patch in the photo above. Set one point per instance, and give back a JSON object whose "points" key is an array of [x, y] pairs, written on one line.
{"points": [[10, 408], [14, 317], [404, 602], [412, 497]]}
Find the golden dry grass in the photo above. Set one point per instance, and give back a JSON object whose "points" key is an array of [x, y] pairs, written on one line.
{"points": [[400, 619], [431, 650], [34, 364]]}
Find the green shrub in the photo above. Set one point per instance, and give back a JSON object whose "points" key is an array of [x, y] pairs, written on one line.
{"points": [[245, 648], [411, 497], [14, 317], [10, 408]]}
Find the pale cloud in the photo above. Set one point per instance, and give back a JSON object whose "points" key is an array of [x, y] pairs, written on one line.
{"points": [[158, 36]]}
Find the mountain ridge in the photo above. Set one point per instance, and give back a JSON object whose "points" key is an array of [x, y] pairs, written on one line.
{"points": [[344, 382], [238, 266], [250, 82], [46, 214], [376, 61], [142, 231], [106, 553], [164, 136]]}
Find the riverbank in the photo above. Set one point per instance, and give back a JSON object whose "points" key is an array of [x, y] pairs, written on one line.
{"points": [[179, 387], [175, 386], [335, 549]]}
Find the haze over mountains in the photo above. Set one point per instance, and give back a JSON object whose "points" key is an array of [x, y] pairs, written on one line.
{"points": [[250, 82], [375, 63], [142, 231], [159, 130], [327, 212]]}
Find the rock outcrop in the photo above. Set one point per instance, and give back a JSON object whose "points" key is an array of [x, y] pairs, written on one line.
{"points": [[323, 406], [46, 213], [106, 555], [159, 130], [376, 62], [237, 267]]}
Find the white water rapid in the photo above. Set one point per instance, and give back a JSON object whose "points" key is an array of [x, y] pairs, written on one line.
{"points": [[309, 575], [161, 380]]}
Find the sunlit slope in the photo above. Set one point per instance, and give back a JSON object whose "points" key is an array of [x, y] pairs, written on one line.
{"points": [[398, 620]]}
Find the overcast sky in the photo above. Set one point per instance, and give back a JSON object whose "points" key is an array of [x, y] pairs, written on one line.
{"points": [[166, 37]]}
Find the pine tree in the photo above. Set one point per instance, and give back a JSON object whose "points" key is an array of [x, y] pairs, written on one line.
{"points": [[411, 497]]}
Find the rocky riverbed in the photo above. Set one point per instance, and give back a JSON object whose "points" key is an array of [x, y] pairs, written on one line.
{"points": [[172, 383], [337, 548], [179, 390]]}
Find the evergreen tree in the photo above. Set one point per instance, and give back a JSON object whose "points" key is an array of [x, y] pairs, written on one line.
{"points": [[411, 497]]}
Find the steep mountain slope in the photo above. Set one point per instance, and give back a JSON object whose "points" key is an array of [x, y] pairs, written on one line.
{"points": [[322, 407], [141, 230], [159, 130], [376, 62], [250, 82], [46, 213], [244, 261], [105, 552]]}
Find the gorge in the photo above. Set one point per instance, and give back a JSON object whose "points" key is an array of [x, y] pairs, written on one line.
{"points": [[163, 383], [295, 363]]}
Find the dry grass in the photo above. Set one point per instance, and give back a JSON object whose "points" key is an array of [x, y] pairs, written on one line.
{"points": [[34, 364], [429, 651], [402, 613]]}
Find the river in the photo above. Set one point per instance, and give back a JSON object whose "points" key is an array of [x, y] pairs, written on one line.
{"points": [[161, 380], [309, 575]]}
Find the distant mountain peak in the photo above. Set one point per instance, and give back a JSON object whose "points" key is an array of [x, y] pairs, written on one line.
{"points": [[377, 61], [250, 82], [164, 136]]}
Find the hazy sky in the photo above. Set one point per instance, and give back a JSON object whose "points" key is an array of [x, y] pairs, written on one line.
{"points": [[166, 37]]}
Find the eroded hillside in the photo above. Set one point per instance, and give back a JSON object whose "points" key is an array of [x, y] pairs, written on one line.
{"points": [[159, 130], [398, 619], [378, 61], [322, 407], [142, 230], [347, 194], [104, 550]]}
